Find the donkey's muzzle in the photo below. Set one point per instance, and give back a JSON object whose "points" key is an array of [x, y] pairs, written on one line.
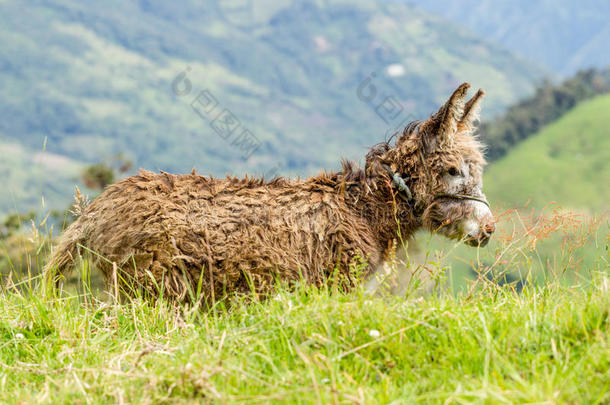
{"points": [[481, 238]]}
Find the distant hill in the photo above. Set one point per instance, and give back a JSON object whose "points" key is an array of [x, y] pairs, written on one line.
{"points": [[568, 162], [95, 79], [35, 179], [563, 35], [549, 103]]}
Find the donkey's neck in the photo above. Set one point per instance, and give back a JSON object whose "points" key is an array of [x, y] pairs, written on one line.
{"points": [[374, 199], [389, 215]]}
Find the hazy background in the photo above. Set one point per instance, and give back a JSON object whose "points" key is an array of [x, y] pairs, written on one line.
{"points": [[302, 84]]}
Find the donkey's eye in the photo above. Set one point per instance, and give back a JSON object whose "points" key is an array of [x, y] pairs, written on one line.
{"points": [[454, 171]]}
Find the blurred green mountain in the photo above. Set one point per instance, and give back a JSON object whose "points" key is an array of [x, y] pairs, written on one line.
{"points": [[35, 178], [549, 103], [562, 35], [97, 79], [567, 162]]}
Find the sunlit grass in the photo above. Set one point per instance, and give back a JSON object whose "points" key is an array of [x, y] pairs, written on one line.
{"points": [[546, 344], [541, 337]]}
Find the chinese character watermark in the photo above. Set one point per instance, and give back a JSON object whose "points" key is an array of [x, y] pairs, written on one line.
{"points": [[221, 119], [387, 107]]}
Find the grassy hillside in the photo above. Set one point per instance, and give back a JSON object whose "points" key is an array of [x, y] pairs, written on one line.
{"points": [[549, 103], [545, 345], [96, 79], [568, 162]]}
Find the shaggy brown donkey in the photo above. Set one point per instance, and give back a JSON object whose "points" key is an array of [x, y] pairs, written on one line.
{"points": [[178, 232]]}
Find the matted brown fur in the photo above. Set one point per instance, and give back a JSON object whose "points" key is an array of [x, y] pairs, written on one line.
{"points": [[176, 232]]}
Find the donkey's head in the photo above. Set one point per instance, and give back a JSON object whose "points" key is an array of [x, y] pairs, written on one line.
{"points": [[441, 164]]}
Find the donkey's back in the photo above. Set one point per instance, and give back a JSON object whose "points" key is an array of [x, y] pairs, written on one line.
{"points": [[177, 231]]}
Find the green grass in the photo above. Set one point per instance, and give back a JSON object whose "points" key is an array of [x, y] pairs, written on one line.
{"points": [[546, 345], [542, 340]]}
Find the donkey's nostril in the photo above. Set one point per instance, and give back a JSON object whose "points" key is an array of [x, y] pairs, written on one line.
{"points": [[490, 228], [477, 239]]}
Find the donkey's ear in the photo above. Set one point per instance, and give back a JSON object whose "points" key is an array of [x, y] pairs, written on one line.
{"points": [[447, 118], [472, 109], [441, 126]]}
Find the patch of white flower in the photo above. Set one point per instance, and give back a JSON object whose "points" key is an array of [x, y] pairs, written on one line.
{"points": [[283, 299], [374, 333]]}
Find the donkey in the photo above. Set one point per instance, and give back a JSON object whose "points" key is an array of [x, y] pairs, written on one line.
{"points": [[181, 233]]}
